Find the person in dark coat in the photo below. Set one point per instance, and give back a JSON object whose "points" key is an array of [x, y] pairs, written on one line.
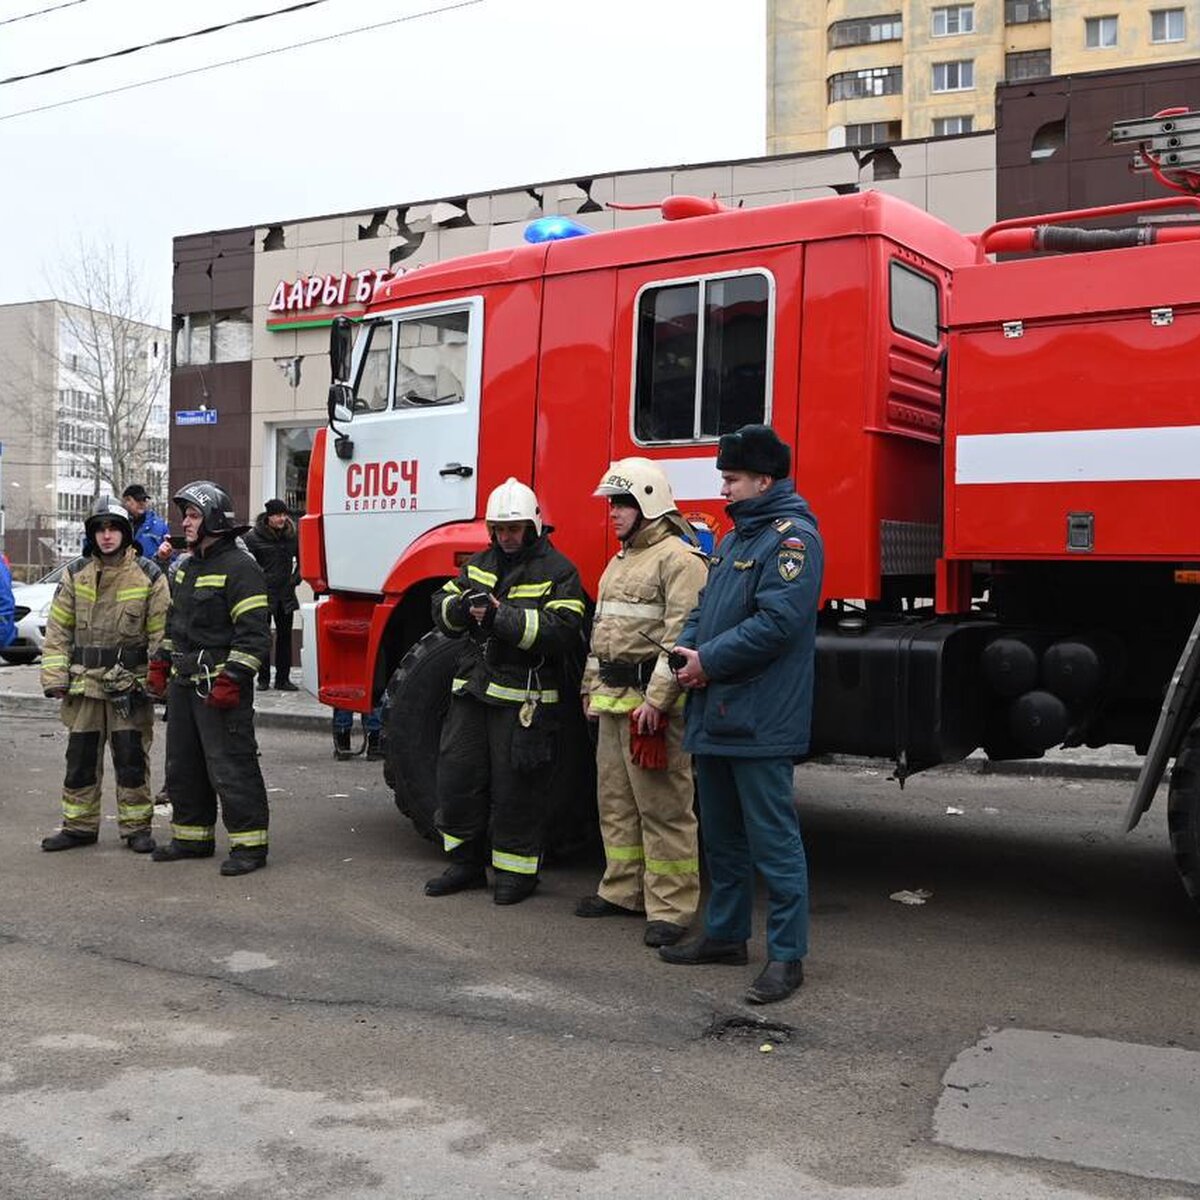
{"points": [[272, 541], [749, 646]]}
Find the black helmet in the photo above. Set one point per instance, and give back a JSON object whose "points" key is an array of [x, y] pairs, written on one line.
{"points": [[214, 502], [107, 510]]}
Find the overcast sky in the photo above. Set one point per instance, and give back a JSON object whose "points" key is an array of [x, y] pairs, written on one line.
{"points": [[475, 97]]}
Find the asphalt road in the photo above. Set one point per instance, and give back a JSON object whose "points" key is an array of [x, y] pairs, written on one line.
{"points": [[321, 1029]]}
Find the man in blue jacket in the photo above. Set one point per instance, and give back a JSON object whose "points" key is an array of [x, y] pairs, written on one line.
{"points": [[749, 646], [149, 529]]}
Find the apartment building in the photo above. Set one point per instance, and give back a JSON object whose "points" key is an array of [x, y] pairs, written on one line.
{"points": [[59, 374], [869, 72]]}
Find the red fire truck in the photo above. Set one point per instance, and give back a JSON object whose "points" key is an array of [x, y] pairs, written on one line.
{"points": [[1004, 457]]}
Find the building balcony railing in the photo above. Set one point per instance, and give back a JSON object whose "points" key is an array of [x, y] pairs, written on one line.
{"points": [[1025, 12]]}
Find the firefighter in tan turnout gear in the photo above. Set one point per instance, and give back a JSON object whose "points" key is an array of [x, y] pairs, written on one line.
{"points": [[216, 643], [105, 621], [644, 778], [517, 609]]}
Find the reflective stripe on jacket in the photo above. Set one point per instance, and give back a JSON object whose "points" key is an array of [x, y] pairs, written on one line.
{"points": [[123, 605], [649, 587], [219, 604], [536, 630]]}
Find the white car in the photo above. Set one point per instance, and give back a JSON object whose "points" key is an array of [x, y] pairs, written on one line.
{"points": [[33, 607]]}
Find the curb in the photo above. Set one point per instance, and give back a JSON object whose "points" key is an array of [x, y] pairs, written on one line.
{"points": [[23, 704], [18, 703]]}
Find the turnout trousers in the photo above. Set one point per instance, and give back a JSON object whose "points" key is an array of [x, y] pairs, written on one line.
{"points": [[212, 752], [651, 855], [478, 787], [92, 723], [748, 821]]}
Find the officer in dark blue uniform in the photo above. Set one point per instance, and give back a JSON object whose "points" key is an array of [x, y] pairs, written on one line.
{"points": [[749, 646]]}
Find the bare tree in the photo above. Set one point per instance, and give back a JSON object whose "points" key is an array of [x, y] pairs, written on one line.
{"points": [[108, 344]]}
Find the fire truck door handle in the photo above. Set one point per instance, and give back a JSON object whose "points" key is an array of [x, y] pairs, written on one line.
{"points": [[457, 469]]}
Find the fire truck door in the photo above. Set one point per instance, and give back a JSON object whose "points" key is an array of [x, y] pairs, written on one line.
{"points": [[415, 434], [699, 353]]}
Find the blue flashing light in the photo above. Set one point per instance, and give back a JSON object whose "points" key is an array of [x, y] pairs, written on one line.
{"points": [[554, 229]]}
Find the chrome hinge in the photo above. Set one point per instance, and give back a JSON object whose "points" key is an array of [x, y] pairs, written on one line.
{"points": [[1162, 316], [1013, 328]]}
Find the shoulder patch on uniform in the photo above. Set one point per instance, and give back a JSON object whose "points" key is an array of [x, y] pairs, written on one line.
{"points": [[782, 525], [792, 543], [791, 560]]}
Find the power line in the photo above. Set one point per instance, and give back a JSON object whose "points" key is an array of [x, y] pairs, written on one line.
{"points": [[332, 37], [41, 12], [166, 41]]}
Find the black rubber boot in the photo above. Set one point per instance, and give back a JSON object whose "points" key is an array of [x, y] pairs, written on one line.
{"points": [[705, 950], [457, 877], [597, 906], [512, 888], [242, 862], [285, 685], [174, 851], [374, 748], [777, 982], [663, 933], [64, 839], [264, 684], [141, 842], [341, 745]]}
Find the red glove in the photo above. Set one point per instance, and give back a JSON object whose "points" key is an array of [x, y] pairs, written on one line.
{"points": [[648, 750], [226, 692], [156, 678]]}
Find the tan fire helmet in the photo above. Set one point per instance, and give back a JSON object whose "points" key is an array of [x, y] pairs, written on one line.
{"points": [[642, 479], [514, 501]]}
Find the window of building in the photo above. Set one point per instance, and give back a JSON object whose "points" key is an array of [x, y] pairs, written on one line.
{"points": [[958, 18], [293, 449], [865, 30], [1100, 33], [873, 133], [871, 81], [954, 76], [1025, 12], [950, 126], [1027, 64], [914, 304], [1167, 25], [431, 360], [703, 357], [232, 336]]}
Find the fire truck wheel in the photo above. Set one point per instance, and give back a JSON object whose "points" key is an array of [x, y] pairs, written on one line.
{"points": [[1183, 813], [418, 698]]}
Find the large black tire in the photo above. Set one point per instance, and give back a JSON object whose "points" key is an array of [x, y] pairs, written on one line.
{"points": [[418, 698], [1183, 813]]}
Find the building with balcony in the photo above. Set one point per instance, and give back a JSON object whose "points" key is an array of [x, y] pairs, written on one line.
{"points": [[868, 72]]}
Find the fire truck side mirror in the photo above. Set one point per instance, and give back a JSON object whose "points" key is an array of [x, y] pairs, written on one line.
{"points": [[341, 341]]}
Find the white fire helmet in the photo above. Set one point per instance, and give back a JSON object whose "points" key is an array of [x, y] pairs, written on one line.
{"points": [[642, 479], [513, 501]]}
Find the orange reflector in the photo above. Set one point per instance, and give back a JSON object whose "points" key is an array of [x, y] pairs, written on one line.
{"points": [[1187, 576]]}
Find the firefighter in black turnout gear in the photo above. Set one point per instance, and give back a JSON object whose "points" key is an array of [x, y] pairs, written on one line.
{"points": [[217, 638], [518, 608]]}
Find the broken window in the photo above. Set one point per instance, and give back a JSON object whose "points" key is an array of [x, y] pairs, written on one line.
{"points": [[233, 336]]}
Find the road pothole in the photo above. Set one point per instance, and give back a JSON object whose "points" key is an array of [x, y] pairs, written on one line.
{"points": [[750, 1030]]}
